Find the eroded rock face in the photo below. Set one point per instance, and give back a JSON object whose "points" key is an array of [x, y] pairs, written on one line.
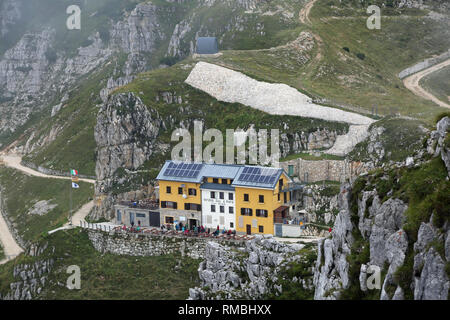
{"points": [[381, 227], [125, 134], [245, 273]]}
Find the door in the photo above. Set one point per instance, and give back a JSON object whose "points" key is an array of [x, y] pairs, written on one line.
{"points": [[155, 219], [192, 223], [278, 230], [290, 170], [119, 216], [249, 229]]}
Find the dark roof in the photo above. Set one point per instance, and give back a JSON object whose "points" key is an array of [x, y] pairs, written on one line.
{"points": [[207, 45], [217, 186]]}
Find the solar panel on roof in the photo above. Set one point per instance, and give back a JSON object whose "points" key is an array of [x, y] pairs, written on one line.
{"points": [[189, 170]]}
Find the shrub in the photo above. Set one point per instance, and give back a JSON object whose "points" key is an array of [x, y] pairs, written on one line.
{"points": [[346, 49], [361, 56], [442, 115]]}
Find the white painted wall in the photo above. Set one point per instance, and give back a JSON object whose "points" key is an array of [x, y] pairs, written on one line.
{"points": [[214, 219]]}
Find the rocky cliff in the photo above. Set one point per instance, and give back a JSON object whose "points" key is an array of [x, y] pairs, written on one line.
{"points": [[392, 220], [126, 136], [264, 268]]}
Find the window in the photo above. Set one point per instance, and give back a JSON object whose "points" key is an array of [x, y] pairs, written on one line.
{"points": [[168, 190], [180, 190], [222, 209], [213, 208], [246, 212], [262, 213], [168, 204], [278, 197], [169, 219], [280, 184], [140, 215], [246, 197], [215, 180], [231, 225], [213, 195], [119, 216], [221, 195], [230, 196], [192, 192], [231, 210], [224, 181], [261, 198], [261, 229]]}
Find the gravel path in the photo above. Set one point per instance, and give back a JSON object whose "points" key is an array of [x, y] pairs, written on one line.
{"points": [[11, 248], [13, 161], [304, 13], [412, 83]]}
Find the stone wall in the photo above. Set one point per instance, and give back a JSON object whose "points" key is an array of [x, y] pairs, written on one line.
{"points": [[424, 65], [320, 170], [150, 245]]}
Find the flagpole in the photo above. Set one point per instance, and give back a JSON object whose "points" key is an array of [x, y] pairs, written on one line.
{"points": [[70, 205]]}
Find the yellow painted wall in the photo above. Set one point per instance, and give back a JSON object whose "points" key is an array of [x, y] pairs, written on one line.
{"points": [[178, 198], [270, 204]]}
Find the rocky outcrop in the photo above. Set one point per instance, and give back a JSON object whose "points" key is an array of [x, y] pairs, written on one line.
{"points": [[320, 204], [438, 143], [370, 232], [30, 278], [246, 273], [125, 134]]}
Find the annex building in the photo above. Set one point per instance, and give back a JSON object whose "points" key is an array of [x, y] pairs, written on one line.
{"points": [[248, 199]]}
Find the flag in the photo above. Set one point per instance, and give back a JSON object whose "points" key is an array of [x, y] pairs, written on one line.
{"points": [[74, 172], [75, 186]]}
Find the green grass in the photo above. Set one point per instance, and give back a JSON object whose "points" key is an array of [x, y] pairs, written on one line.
{"points": [[21, 192], [438, 84], [107, 276], [372, 81], [2, 252], [400, 139]]}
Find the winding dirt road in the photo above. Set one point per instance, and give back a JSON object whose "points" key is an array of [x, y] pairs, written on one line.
{"points": [[10, 246], [304, 13], [413, 83]]}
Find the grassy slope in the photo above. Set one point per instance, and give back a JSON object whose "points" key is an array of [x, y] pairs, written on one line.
{"points": [[21, 192], [400, 139], [405, 38], [75, 146], [438, 83], [107, 276]]}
